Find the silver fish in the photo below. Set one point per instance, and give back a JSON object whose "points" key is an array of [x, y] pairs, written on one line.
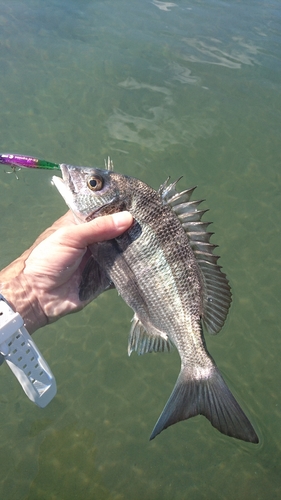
{"points": [[165, 270]]}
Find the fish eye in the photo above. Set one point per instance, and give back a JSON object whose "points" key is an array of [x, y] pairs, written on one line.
{"points": [[95, 183]]}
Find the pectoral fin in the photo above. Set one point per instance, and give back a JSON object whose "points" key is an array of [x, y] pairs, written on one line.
{"points": [[94, 280]]}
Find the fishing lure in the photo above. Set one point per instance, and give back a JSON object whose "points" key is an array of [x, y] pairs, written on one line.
{"points": [[20, 161]]}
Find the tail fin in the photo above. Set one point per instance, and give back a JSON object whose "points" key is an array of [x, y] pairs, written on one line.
{"points": [[209, 397]]}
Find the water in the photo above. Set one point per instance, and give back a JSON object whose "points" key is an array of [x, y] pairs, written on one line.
{"points": [[165, 88]]}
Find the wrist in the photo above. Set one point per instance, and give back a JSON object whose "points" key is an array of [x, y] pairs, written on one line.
{"points": [[23, 300]]}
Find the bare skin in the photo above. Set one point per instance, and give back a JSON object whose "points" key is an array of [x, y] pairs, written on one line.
{"points": [[42, 284]]}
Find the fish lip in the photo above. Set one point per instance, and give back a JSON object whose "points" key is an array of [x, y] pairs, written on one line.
{"points": [[64, 185], [61, 186], [66, 177]]}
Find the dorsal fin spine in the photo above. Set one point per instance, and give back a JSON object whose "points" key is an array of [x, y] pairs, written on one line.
{"points": [[216, 289]]}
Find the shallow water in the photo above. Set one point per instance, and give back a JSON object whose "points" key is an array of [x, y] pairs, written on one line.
{"points": [[165, 88]]}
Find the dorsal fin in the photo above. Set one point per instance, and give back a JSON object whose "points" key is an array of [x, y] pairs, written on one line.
{"points": [[108, 164], [216, 293]]}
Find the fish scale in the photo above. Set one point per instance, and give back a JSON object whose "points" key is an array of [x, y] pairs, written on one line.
{"points": [[165, 270]]}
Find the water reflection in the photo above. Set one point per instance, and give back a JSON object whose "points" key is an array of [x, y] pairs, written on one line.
{"points": [[213, 51]]}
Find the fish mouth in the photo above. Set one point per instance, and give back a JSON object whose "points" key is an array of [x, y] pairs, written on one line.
{"points": [[65, 186], [62, 187]]}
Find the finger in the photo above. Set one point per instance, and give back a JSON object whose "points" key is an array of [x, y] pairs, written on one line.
{"points": [[100, 229]]}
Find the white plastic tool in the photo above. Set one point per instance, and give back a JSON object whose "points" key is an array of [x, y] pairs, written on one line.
{"points": [[24, 358]]}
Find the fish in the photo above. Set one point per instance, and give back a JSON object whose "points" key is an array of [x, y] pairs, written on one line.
{"points": [[164, 268]]}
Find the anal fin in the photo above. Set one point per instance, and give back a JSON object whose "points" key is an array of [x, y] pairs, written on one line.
{"points": [[142, 341]]}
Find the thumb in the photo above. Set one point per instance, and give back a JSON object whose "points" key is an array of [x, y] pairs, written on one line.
{"points": [[99, 229]]}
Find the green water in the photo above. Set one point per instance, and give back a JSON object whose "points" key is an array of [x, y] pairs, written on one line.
{"points": [[187, 88]]}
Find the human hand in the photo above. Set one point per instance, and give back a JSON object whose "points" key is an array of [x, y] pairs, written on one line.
{"points": [[42, 285]]}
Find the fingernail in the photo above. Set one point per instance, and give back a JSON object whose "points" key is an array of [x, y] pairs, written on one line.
{"points": [[122, 220]]}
